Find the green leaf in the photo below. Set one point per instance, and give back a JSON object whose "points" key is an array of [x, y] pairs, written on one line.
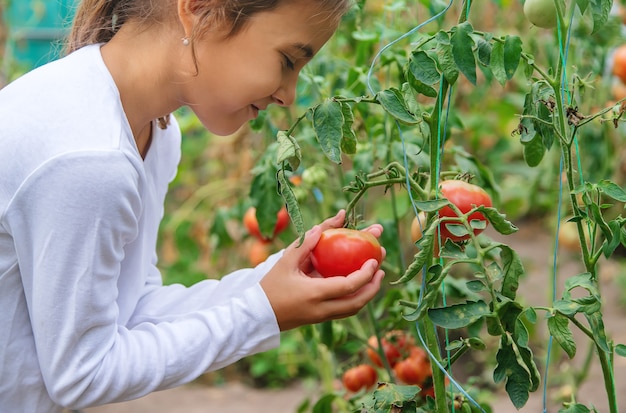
{"points": [[484, 49], [445, 58], [476, 286], [533, 151], [512, 54], [432, 205], [612, 190], [420, 259], [498, 220], [517, 375], [512, 270], [496, 63], [459, 315], [620, 350], [291, 202], [462, 50], [558, 325], [348, 138], [613, 239], [328, 124], [583, 280], [597, 328], [505, 58], [265, 197], [566, 307], [326, 333], [288, 150], [575, 408], [423, 68], [325, 403], [390, 397], [600, 10], [393, 102]]}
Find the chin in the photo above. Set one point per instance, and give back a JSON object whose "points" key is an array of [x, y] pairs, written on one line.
{"points": [[222, 129]]}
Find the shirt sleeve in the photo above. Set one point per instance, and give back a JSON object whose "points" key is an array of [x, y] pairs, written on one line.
{"points": [[71, 221]]}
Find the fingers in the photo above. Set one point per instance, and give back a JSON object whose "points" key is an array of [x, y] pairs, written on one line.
{"points": [[374, 229], [334, 222], [350, 304], [332, 288]]}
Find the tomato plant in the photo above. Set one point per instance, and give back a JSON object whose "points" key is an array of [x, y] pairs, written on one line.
{"points": [[252, 224], [359, 377], [465, 197], [341, 251]]}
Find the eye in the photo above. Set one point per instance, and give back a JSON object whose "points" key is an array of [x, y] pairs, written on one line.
{"points": [[288, 62]]}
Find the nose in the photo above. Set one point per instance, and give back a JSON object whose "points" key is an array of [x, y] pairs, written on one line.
{"points": [[285, 95]]}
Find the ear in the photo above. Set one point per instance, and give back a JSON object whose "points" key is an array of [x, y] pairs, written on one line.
{"points": [[185, 9], [189, 10]]}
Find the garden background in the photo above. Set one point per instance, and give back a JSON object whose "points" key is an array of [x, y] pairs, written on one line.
{"points": [[523, 316]]}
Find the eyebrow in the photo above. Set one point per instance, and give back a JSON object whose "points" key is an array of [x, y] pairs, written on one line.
{"points": [[307, 49]]}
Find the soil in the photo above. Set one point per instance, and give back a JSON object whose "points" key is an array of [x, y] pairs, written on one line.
{"points": [[535, 246]]}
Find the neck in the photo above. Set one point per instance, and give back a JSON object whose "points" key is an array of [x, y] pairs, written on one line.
{"points": [[143, 66]]}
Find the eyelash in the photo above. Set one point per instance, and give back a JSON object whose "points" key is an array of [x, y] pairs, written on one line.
{"points": [[291, 65]]}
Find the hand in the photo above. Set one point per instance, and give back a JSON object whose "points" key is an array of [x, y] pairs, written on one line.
{"points": [[300, 296]]}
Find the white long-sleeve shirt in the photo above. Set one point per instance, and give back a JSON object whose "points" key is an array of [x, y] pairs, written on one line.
{"points": [[84, 317]]}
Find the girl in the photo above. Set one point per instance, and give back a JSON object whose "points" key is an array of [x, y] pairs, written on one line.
{"points": [[88, 149]]}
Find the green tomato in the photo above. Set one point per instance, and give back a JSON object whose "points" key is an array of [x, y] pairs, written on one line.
{"points": [[541, 13], [314, 176]]}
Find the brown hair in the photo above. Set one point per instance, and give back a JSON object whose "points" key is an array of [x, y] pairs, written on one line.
{"points": [[96, 21]]}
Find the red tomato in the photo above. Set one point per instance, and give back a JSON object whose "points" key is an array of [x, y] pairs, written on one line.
{"points": [[619, 63], [464, 196], [392, 354], [414, 369], [341, 251], [259, 251], [359, 377], [396, 345], [252, 225]]}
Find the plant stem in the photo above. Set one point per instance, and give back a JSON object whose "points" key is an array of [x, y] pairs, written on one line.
{"points": [[566, 151]]}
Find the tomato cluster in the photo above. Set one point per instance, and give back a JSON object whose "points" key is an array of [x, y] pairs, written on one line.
{"points": [[341, 251], [408, 362], [252, 224]]}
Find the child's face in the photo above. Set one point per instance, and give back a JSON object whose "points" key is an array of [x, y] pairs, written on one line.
{"points": [[256, 67]]}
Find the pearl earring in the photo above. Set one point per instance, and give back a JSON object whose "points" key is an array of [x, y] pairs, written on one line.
{"points": [[186, 41]]}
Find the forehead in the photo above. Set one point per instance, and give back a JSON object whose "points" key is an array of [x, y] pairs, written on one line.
{"points": [[304, 25]]}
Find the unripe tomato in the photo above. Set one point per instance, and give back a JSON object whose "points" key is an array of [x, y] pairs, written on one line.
{"points": [[316, 175], [464, 196], [417, 232], [252, 225], [415, 369], [541, 13], [341, 251], [619, 63], [359, 377], [417, 226]]}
